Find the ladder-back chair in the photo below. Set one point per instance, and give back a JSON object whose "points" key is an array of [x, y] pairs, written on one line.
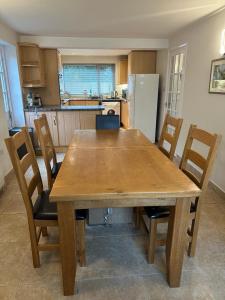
{"points": [[200, 176], [47, 149], [40, 212]]}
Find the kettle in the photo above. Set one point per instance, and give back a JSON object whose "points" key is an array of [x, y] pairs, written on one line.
{"points": [[114, 94]]}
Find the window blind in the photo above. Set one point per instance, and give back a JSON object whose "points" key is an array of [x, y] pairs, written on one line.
{"points": [[98, 79]]}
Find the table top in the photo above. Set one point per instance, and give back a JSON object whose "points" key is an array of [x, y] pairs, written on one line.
{"points": [[119, 176], [109, 138]]}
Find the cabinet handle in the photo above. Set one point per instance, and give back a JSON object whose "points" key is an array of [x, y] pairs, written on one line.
{"points": [[54, 121]]}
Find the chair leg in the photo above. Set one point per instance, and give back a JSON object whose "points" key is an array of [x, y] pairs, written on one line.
{"points": [[194, 234], [137, 217], [44, 231], [152, 240], [81, 242], [34, 246]]}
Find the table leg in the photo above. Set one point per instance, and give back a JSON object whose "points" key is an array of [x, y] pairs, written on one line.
{"points": [[177, 236], [67, 245]]}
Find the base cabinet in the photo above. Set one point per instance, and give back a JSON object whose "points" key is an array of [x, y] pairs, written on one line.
{"points": [[62, 124], [88, 119], [68, 121], [52, 122]]}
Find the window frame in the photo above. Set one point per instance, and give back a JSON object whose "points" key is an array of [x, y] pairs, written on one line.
{"points": [[7, 99], [98, 65]]}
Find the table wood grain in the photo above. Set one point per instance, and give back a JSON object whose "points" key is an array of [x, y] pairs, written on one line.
{"points": [[120, 169]]}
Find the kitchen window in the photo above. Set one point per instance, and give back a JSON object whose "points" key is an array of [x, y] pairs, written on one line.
{"points": [[90, 79]]}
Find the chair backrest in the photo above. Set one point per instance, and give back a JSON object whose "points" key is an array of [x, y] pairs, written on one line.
{"points": [[107, 122], [170, 134], [47, 147], [204, 162], [26, 167]]}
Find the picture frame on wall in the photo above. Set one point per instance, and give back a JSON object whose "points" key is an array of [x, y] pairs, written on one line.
{"points": [[217, 76]]}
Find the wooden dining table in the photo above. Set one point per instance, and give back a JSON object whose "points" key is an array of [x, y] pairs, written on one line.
{"points": [[120, 168]]}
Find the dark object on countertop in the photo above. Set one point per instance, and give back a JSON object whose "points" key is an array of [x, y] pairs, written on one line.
{"points": [[111, 112], [22, 150], [107, 122]]}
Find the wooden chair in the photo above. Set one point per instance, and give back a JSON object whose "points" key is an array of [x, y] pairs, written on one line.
{"points": [[169, 136], [47, 149], [204, 164], [42, 213]]}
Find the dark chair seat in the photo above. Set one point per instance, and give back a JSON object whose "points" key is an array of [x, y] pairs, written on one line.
{"points": [[55, 169], [45, 210], [156, 212]]}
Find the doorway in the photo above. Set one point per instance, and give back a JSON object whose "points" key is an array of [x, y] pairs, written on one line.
{"points": [[175, 81]]}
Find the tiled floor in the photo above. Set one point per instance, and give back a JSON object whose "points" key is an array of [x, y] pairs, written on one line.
{"points": [[116, 262]]}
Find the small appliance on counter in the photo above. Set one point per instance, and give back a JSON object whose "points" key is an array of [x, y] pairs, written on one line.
{"points": [[124, 93], [114, 95], [33, 100], [37, 100]]}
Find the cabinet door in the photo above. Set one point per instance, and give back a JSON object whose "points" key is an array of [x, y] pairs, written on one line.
{"points": [[142, 62], [68, 121], [30, 117], [124, 114], [52, 122], [88, 119], [123, 71]]}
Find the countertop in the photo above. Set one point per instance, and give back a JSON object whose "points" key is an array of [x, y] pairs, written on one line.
{"points": [[65, 108], [100, 100]]}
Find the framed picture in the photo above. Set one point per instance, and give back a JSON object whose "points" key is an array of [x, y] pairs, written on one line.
{"points": [[217, 76]]}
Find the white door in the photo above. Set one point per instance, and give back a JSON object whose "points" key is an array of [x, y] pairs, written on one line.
{"points": [[175, 82]]}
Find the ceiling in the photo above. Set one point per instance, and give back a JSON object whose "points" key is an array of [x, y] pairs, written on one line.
{"points": [[104, 18], [94, 52]]}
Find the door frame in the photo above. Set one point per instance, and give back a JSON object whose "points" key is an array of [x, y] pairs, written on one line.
{"points": [[171, 52]]}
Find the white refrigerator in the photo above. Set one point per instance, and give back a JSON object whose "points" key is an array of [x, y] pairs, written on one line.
{"points": [[143, 100]]}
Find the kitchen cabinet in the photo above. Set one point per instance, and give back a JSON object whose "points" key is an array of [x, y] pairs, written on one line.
{"points": [[53, 126], [142, 62], [88, 119], [123, 71], [124, 117], [52, 121], [50, 95], [68, 121], [31, 65], [63, 123]]}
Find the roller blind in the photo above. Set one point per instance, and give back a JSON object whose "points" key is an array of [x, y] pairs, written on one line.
{"points": [[98, 78]]}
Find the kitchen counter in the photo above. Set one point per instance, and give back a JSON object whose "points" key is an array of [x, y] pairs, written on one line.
{"points": [[65, 108], [100, 100]]}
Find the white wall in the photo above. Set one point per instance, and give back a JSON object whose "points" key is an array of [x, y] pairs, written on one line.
{"points": [[8, 35], [199, 107], [95, 43]]}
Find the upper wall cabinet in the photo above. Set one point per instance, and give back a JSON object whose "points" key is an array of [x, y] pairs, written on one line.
{"points": [[123, 71], [31, 65], [142, 62]]}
